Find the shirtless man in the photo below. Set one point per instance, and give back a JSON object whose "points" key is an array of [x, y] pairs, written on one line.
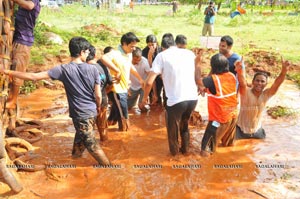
{"points": [[253, 101]]}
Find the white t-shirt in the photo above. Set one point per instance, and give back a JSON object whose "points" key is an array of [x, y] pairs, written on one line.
{"points": [[177, 67], [142, 68]]}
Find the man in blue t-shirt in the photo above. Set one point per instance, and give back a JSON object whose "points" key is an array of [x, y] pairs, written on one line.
{"points": [[210, 17], [225, 46], [82, 86]]}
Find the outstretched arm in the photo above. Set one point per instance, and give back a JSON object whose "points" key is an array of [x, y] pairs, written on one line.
{"points": [[26, 76], [279, 80]]}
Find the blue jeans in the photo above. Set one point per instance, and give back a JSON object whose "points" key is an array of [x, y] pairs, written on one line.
{"points": [[135, 95]]}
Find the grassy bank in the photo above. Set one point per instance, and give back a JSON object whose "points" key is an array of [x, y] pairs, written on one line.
{"points": [[277, 32], [260, 29]]}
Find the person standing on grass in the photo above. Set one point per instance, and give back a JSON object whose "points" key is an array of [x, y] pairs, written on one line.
{"points": [[25, 20], [210, 13], [82, 86], [253, 101], [177, 68]]}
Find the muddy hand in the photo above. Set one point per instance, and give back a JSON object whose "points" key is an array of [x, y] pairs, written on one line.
{"points": [[238, 65], [285, 65]]}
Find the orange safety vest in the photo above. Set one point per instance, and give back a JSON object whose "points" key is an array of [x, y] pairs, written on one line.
{"points": [[222, 106]]}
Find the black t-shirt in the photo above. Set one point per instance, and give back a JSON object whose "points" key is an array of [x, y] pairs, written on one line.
{"points": [[209, 83]]}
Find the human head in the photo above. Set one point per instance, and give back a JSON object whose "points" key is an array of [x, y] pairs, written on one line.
{"points": [[167, 41], [107, 49], [151, 41], [78, 45], [136, 56], [211, 3], [92, 53], [129, 41], [225, 45], [181, 41], [259, 81], [219, 64]]}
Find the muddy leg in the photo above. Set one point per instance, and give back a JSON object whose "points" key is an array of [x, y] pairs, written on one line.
{"points": [[84, 132], [102, 125]]}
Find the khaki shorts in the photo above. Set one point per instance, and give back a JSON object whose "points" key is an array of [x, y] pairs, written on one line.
{"points": [[20, 60]]}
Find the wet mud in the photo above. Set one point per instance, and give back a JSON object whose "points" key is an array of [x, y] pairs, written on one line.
{"points": [[142, 165]]}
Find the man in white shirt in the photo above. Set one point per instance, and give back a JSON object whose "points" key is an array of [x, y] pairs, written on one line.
{"points": [[177, 68]]}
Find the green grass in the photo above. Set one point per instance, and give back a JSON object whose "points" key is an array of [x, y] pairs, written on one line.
{"points": [[278, 33]]}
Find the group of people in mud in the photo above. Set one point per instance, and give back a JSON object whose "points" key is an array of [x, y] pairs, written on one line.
{"points": [[128, 73], [169, 75]]}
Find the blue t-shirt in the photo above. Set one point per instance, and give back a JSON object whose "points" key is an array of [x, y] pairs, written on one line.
{"points": [[209, 17], [25, 23], [233, 58], [79, 81]]}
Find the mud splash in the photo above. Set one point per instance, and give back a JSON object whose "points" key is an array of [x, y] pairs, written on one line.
{"points": [[145, 169]]}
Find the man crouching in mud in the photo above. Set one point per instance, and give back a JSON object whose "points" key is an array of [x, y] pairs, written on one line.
{"points": [[82, 86]]}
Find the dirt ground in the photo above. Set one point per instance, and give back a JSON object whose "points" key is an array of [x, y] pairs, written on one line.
{"points": [[143, 167]]}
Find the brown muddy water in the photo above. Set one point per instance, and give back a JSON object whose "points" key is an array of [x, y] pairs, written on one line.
{"points": [[143, 167]]}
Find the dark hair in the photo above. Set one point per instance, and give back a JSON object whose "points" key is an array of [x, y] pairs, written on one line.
{"points": [[181, 39], [107, 49], [219, 64], [92, 53], [78, 44], [129, 38], [151, 39], [167, 40], [227, 39], [260, 73], [137, 52]]}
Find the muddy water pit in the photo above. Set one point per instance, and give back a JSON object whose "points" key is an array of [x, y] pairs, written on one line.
{"points": [[145, 169]]}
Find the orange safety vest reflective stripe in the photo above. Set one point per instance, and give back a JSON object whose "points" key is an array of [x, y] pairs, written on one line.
{"points": [[222, 106]]}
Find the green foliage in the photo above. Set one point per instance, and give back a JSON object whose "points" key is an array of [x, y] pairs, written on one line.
{"points": [[295, 76], [39, 31], [279, 111], [27, 87]]}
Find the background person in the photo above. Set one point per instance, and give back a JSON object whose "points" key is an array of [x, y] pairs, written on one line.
{"points": [[210, 13]]}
